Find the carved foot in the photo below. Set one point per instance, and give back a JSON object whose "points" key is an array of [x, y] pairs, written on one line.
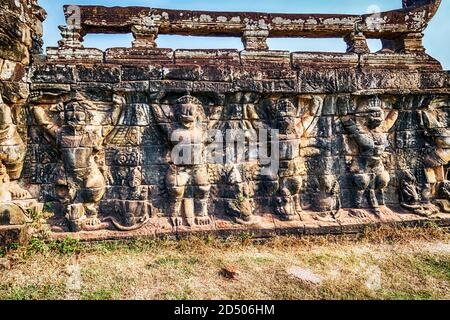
{"points": [[336, 214], [432, 209], [290, 217], [380, 213], [190, 222], [358, 213], [324, 217], [245, 220], [91, 222], [176, 221], [203, 221], [18, 193]]}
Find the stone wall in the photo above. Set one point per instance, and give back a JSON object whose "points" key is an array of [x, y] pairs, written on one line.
{"points": [[361, 137], [247, 90]]}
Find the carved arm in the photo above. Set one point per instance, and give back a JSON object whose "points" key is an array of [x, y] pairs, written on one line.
{"points": [[310, 118], [45, 122], [390, 120], [118, 105], [162, 120]]}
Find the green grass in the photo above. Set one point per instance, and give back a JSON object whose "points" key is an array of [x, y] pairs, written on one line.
{"points": [[190, 268], [99, 294], [31, 292]]}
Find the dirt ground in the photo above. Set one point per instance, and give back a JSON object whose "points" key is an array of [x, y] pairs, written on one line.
{"points": [[386, 263]]}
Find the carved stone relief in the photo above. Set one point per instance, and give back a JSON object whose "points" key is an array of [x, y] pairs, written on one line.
{"points": [[146, 140]]}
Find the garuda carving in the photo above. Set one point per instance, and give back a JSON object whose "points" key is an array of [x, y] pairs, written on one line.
{"points": [[77, 128], [433, 121], [12, 155], [292, 128], [187, 179], [368, 128]]}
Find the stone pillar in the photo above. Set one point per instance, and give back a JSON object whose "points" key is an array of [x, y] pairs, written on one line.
{"points": [[145, 32], [356, 43], [255, 37], [144, 37], [410, 43], [413, 43]]}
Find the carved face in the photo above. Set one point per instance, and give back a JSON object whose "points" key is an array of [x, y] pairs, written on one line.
{"points": [[327, 182], [286, 115], [75, 115], [374, 119], [372, 113], [135, 178], [286, 123], [187, 114]]}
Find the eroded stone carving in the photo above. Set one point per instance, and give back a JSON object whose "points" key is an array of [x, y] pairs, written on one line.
{"points": [[368, 129], [292, 128], [12, 155], [79, 138], [187, 178], [438, 156], [21, 39], [242, 206], [144, 140]]}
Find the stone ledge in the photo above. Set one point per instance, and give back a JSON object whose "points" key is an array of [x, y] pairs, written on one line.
{"points": [[233, 57], [223, 227]]}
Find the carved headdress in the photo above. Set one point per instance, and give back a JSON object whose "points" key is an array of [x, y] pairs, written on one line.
{"points": [[285, 108], [188, 99]]}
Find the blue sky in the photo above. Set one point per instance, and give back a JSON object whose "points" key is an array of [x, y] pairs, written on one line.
{"points": [[436, 41]]}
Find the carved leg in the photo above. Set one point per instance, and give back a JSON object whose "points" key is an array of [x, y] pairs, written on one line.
{"points": [[382, 180], [202, 218], [362, 182], [201, 195], [93, 190], [74, 215], [359, 196], [14, 170], [201, 205], [176, 185], [176, 200], [189, 211], [297, 204], [373, 203]]}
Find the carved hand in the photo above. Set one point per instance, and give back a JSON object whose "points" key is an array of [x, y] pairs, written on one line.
{"points": [[44, 121]]}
